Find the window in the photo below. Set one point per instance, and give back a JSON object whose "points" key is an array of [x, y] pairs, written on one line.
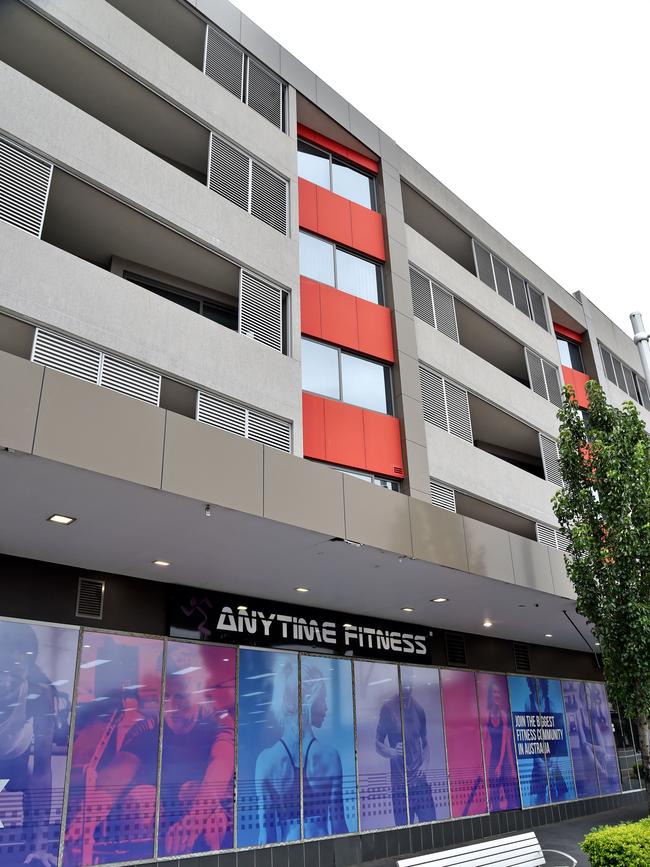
{"points": [[625, 378], [328, 371], [322, 261], [570, 353], [380, 481], [221, 313], [319, 167]]}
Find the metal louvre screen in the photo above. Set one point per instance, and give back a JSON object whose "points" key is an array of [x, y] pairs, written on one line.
{"points": [[445, 311], [269, 198], [265, 94], [260, 307], [504, 288], [484, 265], [552, 383], [460, 423], [221, 413], [550, 459], [538, 312], [546, 535], [433, 398], [224, 62], [24, 185], [643, 392], [519, 294], [442, 496], [229, 172], [629, 382], [536, 373], [609, 365], [271, 431], [562, 541], [618, 367], [421, 294], [130, 379], [68, 356]]}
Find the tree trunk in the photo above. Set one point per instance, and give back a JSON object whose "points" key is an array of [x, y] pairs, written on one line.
{"points": [[644, 737]]}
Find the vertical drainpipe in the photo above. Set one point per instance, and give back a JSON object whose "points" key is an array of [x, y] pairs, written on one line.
{"points": [[642, 340]]}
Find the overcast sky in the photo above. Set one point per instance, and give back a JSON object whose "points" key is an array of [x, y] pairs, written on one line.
{"points": [[535, 113]]}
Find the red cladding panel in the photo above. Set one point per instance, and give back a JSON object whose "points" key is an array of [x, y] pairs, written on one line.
{"points": [[310, 318], [344, 437], [313, 426], [566, 332], [367, 231], [383, 444], [577, 380], [339, 317], [334, 219], [307, 205], [334, 147], [375, 328]]}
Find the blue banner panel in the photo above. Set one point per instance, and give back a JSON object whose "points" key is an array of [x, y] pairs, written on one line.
{"points": [[609, 778], [198, 750], [498, 746], [382, 790], [424, 742], [554, 736], [268, 752], [329, 775], [580, 738], [530, 749], [37, 669]]}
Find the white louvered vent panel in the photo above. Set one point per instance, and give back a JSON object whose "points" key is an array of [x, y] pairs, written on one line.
{"points": [[552, 383], [130, 379], [269, 430], [609, 365], [550, 459], [519, 294], [537, 309], [421, 294], [562, 541], [269, 198], [224, 62], [629, 382], [24, 185], [442, 496], [546, 535], [460, 423], [618, 367], [221, 413], [445, 311], [68, 356], [536, 373], [229, 172], [261, 311], [433, 398], [265, 93]]}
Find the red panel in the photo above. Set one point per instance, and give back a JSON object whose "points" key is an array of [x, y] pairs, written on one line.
{"points": [[339, 317], [313, 426], [383, 444], [577, 379], [334, 220], [375, 330], [310, 315], [307, 206], [566, 332], [344, 443], [367, 231], [336, 148]]}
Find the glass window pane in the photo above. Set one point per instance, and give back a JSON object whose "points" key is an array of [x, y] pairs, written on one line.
{"points": [[498, 749], [576, 357], [313, 165], [316, 259], [463, 740], [357, 276], [226, 316], [352, 185], [565, 353], [320, 369], [364, 383]]}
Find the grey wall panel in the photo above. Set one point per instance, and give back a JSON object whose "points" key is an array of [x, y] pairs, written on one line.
{"points": [[20, 393]]}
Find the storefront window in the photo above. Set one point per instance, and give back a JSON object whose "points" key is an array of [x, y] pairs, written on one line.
{"points": [[463, 738]]}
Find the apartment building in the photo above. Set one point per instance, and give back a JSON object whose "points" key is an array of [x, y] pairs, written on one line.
{"points": [[282, 582]]}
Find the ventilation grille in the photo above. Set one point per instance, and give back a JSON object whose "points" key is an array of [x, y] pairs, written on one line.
{"points": [[421, 294], [442, 496], [550, 459], [433, 304], [244, 421], [261, 311], [551, 537], [24, 185], [543, 377], [522, 657], [85, 362], [265, 94], [238, 178], [90, 599], [455, 648], [224, 62], [445, 405]]}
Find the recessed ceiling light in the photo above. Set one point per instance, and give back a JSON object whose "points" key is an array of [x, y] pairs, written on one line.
{"points": [[242, 608], [61, 519], [548, 635], [440, 599], [408, 610], [161, 563], [302, 589], [487, 623]]}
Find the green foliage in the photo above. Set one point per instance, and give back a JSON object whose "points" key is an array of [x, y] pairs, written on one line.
{"points": [[604, 510], [625, 845]]}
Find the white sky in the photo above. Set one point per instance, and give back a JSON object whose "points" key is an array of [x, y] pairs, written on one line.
{"points": [[535, 113]]}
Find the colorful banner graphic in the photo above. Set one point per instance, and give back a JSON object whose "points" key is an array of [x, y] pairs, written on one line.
{"points": [[37, 669], [609, 780], [329, 776], [498, 746], [581, 739], [112, 798], [198, 750], [268, 757], [530, 748], [382, 792], [554, 735], [424, 743], [463, 737]]}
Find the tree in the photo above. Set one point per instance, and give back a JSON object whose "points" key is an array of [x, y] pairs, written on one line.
{"points": [[603, 508]]}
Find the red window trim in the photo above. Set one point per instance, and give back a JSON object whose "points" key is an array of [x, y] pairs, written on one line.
{"points": [[334, 147], [566, 332]]}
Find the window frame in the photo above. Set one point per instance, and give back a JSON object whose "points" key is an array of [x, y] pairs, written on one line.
{"points": [[156, 286], [388, 379], [574, 343], [346, 164], [355, 253], [364, 475]]}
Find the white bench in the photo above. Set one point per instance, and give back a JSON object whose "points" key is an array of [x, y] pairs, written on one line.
{"points": [[522, 850]]}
